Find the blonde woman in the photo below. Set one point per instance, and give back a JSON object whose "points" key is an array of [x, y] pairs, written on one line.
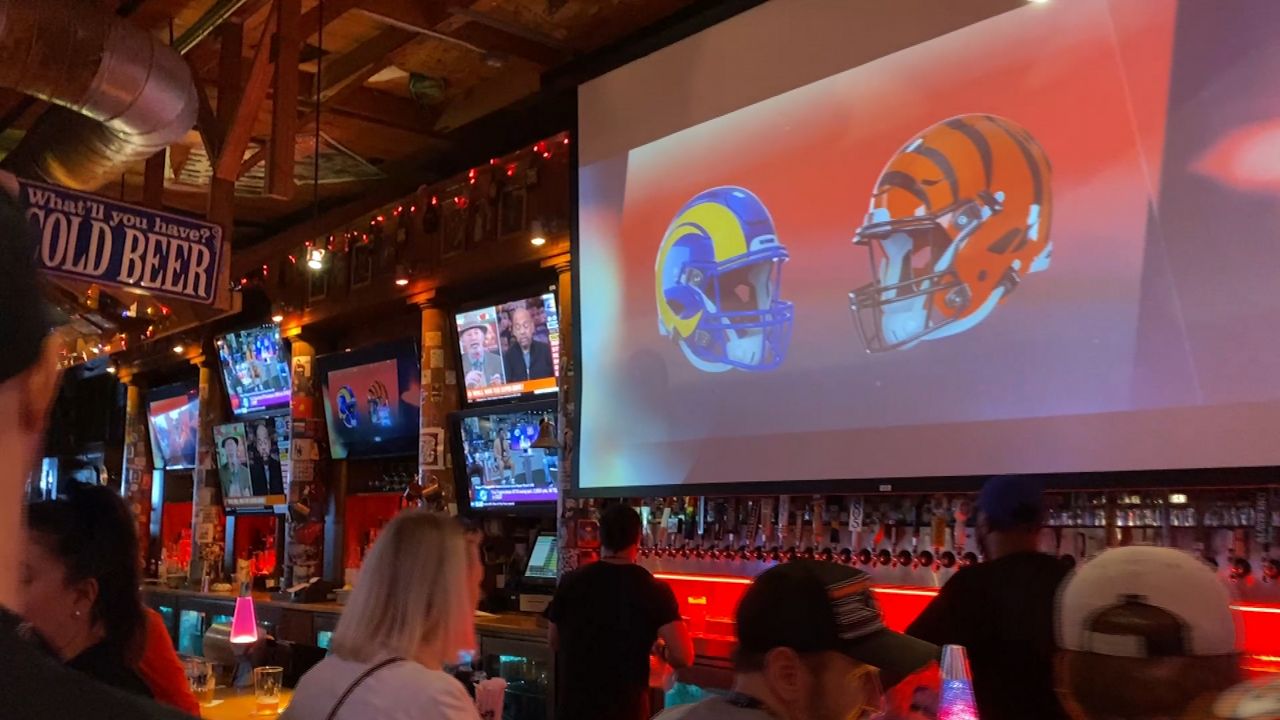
{"points": [[411, 612]]}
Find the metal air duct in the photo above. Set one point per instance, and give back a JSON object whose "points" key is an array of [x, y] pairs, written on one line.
{"points": [[126, 95]]}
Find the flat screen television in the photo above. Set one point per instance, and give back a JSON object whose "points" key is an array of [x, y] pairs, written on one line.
{"points": [[173, 412], [253, 462], [543, 560], [495, 465], [255, 368], [372, 397], [510, 349]]}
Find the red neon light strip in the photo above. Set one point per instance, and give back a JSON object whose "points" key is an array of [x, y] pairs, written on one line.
{"points": [[922, 592], [727, 579], [1257, 609]]}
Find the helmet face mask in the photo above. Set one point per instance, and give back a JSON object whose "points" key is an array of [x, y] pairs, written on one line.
{"points": [[957, 216], [719, 299]]}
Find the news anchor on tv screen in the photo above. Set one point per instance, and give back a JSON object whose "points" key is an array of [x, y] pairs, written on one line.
{"points": [[527, 358], [483, 367]]}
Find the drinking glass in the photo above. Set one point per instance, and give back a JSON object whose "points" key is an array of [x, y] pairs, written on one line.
{"points": [[201, 679], [267, 682]]}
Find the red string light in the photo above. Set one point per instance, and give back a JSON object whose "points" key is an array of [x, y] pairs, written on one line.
{"points": [[511, 170], [434, 200]]}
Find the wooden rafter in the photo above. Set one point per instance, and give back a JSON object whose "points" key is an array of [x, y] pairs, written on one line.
{"points": [[284, 104], [426, 16], [255, 92], [361, 62]]}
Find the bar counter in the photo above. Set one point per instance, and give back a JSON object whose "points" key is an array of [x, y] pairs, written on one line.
{"points": [[305, 622]]}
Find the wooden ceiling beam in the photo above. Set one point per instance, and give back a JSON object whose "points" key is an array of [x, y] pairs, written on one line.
{"points": [[510, 28], [361, 62], [284, 103], [426, 16], [255, 92], [502, 43]]}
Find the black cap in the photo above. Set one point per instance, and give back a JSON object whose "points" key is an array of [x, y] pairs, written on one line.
{"points": [[25, 316], [812, 606]]}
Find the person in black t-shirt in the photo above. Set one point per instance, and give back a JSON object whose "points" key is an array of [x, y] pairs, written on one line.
{"points": [[605, 619], [1002, 610], [32, 683]]}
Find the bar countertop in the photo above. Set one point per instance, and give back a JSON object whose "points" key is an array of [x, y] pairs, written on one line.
{"points": [[523, 625]]}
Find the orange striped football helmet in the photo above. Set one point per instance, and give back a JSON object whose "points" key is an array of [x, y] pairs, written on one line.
{"points": [[959, 215]]}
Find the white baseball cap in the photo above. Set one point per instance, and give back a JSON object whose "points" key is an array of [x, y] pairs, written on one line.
{"points": [[1145, 602]]}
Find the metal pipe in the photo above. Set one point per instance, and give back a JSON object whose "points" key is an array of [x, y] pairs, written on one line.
{"points": [[122, 94], [207, 23]]}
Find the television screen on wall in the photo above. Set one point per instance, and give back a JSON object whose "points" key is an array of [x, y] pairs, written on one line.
{"points": [[497, 467], [255, 368], [173, 413], [372, 397], [510, 349], [253, 462]]}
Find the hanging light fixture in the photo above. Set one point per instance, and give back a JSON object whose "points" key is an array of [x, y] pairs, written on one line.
{"points": [[178, 349], [315, 258], [546, 439], [277, 313], [402, 275], [537, 237]]}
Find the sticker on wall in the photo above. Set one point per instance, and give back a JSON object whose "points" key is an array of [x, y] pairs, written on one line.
{"points": [[431, 448]]}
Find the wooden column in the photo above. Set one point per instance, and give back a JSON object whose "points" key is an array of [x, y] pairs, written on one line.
{"points": [[208, 525], [439, 398], [569, 512], [136, 472], [308, 492]]}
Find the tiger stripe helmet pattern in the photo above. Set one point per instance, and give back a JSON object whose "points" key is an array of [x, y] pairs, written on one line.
{"points": [[958, 217], [717, 281]]}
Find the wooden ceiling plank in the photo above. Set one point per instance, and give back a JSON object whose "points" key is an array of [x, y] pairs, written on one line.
{"points": [[426, 18], [284, 104], [255, 92], [503, 43], [363, 62], [510, 28]]}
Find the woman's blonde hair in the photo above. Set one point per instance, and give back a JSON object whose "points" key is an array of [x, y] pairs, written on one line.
{"points": [[413, 598]]}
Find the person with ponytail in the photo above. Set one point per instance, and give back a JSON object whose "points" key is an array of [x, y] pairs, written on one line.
{"points": [[80, 582]]}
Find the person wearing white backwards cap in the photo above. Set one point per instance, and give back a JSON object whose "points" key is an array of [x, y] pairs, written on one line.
{"points": [[1145, 633]]}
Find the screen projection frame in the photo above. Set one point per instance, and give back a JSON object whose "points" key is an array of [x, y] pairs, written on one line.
{"points": [[1181, 475]]}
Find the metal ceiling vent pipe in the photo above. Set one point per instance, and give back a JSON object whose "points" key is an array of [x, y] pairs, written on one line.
{"points": [[126, 94]]}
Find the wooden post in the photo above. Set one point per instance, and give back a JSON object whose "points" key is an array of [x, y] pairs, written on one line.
{"points": [[136, 472], [308, 496], [208, 531], [566, 513], [439, 398]]}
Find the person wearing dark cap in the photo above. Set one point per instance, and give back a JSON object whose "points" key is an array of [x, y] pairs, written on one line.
{"points": [[33, 684], [812, 645], [1001, 610]]}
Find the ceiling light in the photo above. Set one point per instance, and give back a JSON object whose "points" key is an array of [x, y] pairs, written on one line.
{"points": [[277, 313], [178, 349], [402, 276], [536, 236], [111, 369], [315, 258]]}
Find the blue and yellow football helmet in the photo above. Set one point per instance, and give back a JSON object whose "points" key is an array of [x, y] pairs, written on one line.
{"points": [[718, 278]]}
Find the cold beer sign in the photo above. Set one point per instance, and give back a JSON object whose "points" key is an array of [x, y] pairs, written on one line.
{"points": [[97, 240]]}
